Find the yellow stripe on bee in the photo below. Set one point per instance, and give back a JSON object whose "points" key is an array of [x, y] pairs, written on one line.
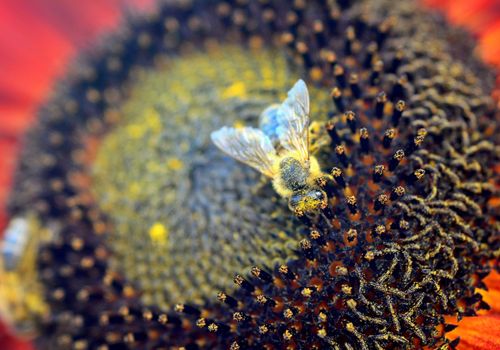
{"points": [[158, 233]]}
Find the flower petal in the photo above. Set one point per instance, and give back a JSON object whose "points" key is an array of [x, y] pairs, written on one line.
{"points": [[481, 17], [492, 296], [9, 342], [478, 333], [481, 332]]}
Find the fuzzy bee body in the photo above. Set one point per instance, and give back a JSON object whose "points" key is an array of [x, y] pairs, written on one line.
{"points": [[293, 174], [279, 149]]}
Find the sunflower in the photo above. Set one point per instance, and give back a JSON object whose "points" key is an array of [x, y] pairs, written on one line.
{"points": [[129, 229]]}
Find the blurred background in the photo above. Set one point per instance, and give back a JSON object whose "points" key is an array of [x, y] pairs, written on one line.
{"points": [[38, 41]]}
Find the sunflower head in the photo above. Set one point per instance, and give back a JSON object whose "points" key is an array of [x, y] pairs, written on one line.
{"points": [[159, 240]]}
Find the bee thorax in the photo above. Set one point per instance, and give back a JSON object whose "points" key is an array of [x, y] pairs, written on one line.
{"points": [[293, 174]]}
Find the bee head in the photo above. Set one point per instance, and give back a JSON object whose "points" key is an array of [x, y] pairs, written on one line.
{"points": [[309, 200]]}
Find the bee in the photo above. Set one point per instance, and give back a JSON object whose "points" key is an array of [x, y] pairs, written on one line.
{"points": [[21, 295], [279, 149]]}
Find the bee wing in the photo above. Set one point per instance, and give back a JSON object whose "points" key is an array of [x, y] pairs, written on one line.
{"points": [[14, 242], [268, 122], [248, 145], [293, 120]]}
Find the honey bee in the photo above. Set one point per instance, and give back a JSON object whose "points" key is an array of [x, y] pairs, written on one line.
{"points": [[21, 296], [279, 149]]}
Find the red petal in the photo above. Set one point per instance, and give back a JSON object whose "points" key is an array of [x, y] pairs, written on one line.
{"points": [[8, 342]]}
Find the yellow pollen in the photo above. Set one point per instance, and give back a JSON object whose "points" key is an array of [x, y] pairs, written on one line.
{"points": [[306, 292], [152, 118], [158, 233], [322, 333], [237, 89], [136, 131], [134, 189], [175, 164]]}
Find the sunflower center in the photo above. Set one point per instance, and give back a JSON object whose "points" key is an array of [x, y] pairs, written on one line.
{"points": [[186, 217]]}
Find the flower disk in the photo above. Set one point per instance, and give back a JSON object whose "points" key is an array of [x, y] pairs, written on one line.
{"points": [[186, 217]]}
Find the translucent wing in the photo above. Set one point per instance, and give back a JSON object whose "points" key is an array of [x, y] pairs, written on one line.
{"points": [[293, 120], [248, 145], [268, 122], [14, 242]]}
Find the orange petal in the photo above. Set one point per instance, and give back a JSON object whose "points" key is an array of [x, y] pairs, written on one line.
{"points": [[481, 332], [476, 15], [492, 296], [489, 44], [481, 17], [478, 333]]}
